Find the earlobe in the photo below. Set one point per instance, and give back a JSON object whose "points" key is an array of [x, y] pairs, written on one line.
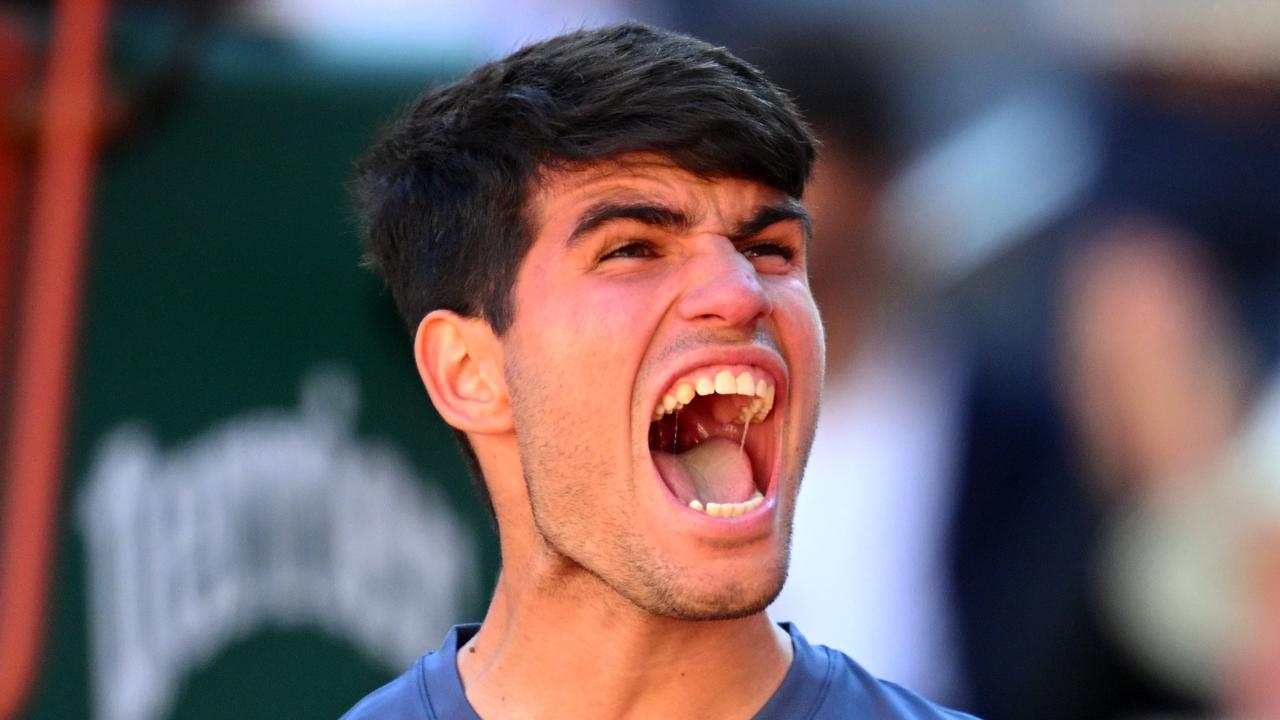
{"points": [[459, 361]]}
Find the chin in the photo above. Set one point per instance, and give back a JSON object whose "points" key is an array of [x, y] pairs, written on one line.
{"points": [[708, 597]]}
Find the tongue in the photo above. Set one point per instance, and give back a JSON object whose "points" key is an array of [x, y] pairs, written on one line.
{"points": [[715, 470]]}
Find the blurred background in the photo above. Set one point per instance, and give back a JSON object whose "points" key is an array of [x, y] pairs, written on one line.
{"points": [[1046, 483]]}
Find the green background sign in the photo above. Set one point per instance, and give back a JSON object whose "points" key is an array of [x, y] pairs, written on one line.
{"points": [[261, 517]]}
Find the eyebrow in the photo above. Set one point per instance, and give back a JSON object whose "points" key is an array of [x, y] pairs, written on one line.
{"points": [[770, 214], [673, 220], [609, 211]]}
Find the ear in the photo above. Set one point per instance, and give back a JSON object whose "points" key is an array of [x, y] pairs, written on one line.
{"points": [[459, 359]]}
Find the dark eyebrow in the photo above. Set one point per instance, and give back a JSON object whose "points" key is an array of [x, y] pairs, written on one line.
{"points": [[768, 215], [644, 212], [674, 220]]}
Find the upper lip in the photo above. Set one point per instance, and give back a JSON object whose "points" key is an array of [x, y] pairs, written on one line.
{"points": [[759, 356]]}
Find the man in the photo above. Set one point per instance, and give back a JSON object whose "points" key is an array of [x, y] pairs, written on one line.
{"points": [[599, 246]]}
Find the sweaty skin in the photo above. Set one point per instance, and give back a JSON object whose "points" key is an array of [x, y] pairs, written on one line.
{"points": [[616, 599]]}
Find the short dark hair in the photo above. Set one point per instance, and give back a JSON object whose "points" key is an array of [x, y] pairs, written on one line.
{"points": [[443, 191]]}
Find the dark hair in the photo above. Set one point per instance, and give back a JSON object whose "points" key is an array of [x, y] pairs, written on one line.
{"points": [[443, 190]]}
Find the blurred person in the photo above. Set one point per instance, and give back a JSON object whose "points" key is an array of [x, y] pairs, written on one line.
{"points": [[599, 247], [1157, 380], [1110, 539], [869, 567]]}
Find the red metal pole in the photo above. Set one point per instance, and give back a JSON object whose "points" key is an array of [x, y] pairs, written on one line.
{"points": [[48, 321], [15, 74]]}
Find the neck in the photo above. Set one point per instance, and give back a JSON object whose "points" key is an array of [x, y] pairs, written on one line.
{"points": [[557, 642]]}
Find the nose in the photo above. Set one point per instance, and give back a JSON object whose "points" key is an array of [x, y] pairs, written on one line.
{"points": [[723, 289]]}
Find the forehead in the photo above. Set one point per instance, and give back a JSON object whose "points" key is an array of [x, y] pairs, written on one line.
{"points": [[561, 196]]}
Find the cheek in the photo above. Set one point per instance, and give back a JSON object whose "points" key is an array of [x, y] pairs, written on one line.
{"points": [[588, 338], [804, 347], [798, 315], [603, 328], [577, 362]]}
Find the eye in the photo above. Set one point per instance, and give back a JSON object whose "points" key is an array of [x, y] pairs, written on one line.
{"points": [[770, 250], [630, 249]]}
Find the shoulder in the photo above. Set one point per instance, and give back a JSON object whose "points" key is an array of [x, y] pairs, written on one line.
{"points": [[428, 690], [400, 699], [825, 684], [885, 699]]}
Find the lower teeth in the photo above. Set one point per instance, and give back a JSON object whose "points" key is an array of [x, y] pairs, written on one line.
{"points": [[728, 509]]}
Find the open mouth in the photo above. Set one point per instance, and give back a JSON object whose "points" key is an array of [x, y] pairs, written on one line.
{"points": [[712, 438]]}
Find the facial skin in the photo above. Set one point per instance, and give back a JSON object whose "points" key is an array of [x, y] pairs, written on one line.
{"points": [[640, 277], [606, 318]]}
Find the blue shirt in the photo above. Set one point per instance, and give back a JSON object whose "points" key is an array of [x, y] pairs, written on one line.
{"points": [[822, 684]]}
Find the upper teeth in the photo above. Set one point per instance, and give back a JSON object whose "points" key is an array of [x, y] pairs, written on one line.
{"points": [[748, 382]]}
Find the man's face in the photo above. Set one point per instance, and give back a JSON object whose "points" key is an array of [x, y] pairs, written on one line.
{"points": [[659, 318]]}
